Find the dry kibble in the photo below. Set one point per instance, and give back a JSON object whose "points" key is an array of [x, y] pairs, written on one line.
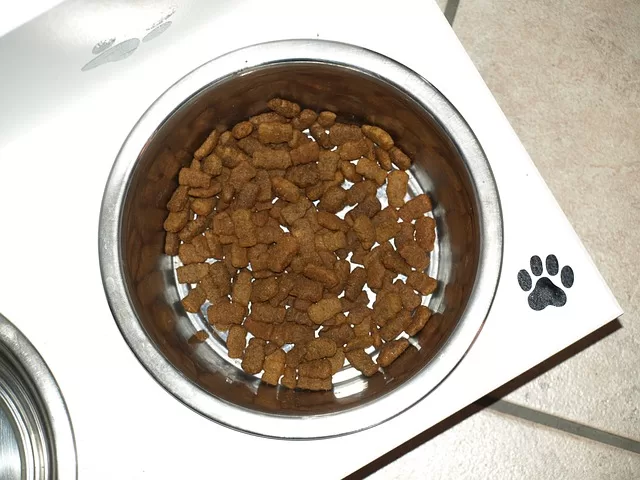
{"points": [[397, 187], [236, 341], [253, 356], [270, 204], [392, 350], [379, 136]]}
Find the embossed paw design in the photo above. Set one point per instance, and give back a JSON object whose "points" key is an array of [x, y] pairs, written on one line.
{"points": [[546, 292]]}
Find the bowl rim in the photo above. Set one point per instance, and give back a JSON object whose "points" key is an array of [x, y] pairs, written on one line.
{"points": [[405, 395]]}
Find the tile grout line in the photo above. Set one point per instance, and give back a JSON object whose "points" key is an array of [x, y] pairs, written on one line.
{"points": [[562, 424]]}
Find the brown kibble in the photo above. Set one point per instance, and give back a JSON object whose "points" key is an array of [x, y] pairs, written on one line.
{"points": [[369, 169], [193, 228], [221, 277], [289, 378], [353, 150], [361, 190], [193, 178], [295, 356], [320, 348], [340, 334], [320, 274], [375, 274], [239, 258], [425, 233], [275, 132], [349, 172], [264, 312], [269, 348], [400, 159], [362, 328], [226, 312], [360, 360], [253, 356], [393, 261], [250, 145], [192, 273], [326, 119], [171, 244], [189, 254], [324, 310], [378, 135], [420, 318], [395, 325], [387, 230], [365, 230], [320, 368], [176, 221], [404, 235], [392, 350], [273, 367], [284, 107], [333, 199], [320, 135], [397, 188], [422, 283], [355, 283], [241, 175], [199, 337], [242, 129], [236, 341], [264, 289], [243, 226], [208, 145], [360, 342], [203, 206], [241, 293], [213, 189], [331, 221], [386, 307], [375, 336], [271, 159], [307, 289], [370, 206], [331, 241], [414, 255], [340, 133], [383, 158], [327, 164], [410, 299], [307, 153], [212, 165], [305, 119], [295, 333], [179, 200], [315, 384], [281, 254], [285, 189], [259, 329], [267, 117], [194, 300], [415, 208], [337, 361]]}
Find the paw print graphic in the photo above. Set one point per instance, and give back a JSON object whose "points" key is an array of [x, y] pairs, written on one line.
{"points": [[108, 51], [545, 292]]}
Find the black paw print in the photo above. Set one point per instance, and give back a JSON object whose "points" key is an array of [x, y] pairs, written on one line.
{"points": [[545, 292]]}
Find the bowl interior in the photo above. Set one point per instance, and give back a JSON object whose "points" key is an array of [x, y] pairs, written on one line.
{"points": [[356, 96]]}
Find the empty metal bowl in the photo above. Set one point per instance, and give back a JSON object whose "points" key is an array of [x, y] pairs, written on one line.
{"points": [[360, 86]]}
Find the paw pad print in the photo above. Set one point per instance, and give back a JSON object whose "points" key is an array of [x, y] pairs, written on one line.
{"points": [[546, 292]]}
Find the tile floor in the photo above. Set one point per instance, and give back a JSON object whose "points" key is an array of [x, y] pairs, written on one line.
{"points": [[567, 75]]}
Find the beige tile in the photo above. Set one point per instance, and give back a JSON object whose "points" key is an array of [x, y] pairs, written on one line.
{"points": [[567, 75], [492, 446]]}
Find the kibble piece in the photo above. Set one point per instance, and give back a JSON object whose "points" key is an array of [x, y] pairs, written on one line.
{"points": [[171, 244], [359, 342], [320, 136], [320, 348], [189, 254], [199, 337], [414, 255], [273, 367], [393, 261], [212, 165], [264, 289], [383, 158], [425, 233], [331, 241], [221, 277], [179, 200], [306, 153], [295, 333], [285, 189], [392, 350], [226, 312], [242, 129], [326, 119], [355, 283], [370, 206], [236, 341], [420, 318], [289, 379], [378, 135], [250, 145], [397, 188], [365, 230], [340, 133], [320, 368], [360, 360], [395, 325], [321, 274], [203, 206], [192, 273], [264, 312], [324, 310], [194, 300], [415, 208], [275, 132], [296, 355], [239, 257], [353, 150], [361, 318], [349, 172], [386, 307], [307, 289], [404, 235], [375, 274], [271, 159], [337, 361], [244, 228], [305, 119], [315, 384], [422, 283], [213, 189], [267, 117], [303, 175], [369, 169], [281, 254], [399, 158], [340, 334], [208, 145], [241, 174], [176, 221], [284, 107], [193, 178], [253, 356], [259, 329], [375, 336], [410, 299], [327, 164], [241, 292], [333, 199]]}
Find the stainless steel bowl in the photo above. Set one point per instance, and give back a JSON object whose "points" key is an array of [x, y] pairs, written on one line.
{"points": [[360, 85], [36, 438]]}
